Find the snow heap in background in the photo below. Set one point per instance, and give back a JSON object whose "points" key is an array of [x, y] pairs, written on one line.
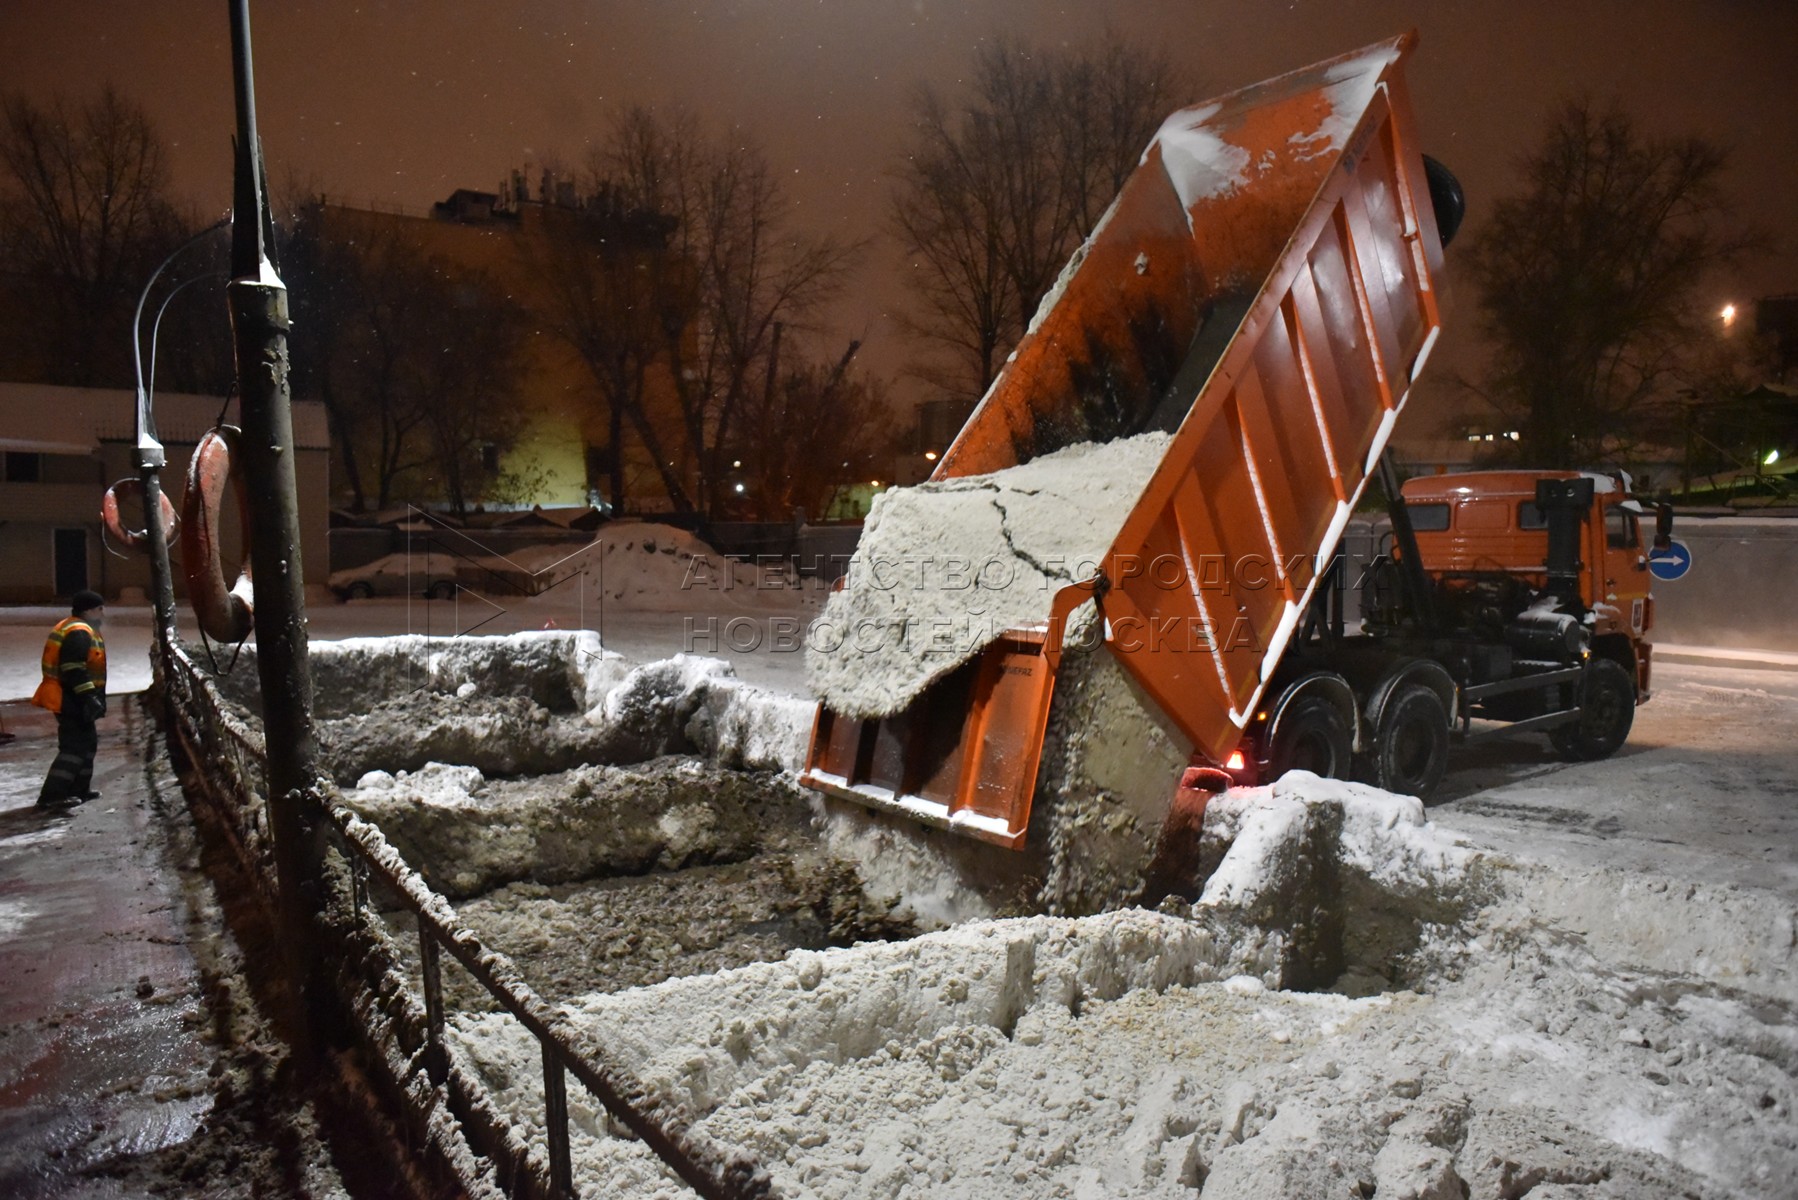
{"points": [[645, 566], [945, 567]]}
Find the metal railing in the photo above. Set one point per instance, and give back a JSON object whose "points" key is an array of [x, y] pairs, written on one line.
{"points": [[230, 770]]}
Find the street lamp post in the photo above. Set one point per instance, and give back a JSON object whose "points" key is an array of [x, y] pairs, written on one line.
{"points": [[151, 457]]}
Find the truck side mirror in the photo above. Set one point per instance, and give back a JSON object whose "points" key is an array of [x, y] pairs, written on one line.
{"points": [[1663, 525]]}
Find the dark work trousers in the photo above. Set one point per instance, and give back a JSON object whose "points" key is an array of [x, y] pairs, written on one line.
{"points": [[71, 776]]}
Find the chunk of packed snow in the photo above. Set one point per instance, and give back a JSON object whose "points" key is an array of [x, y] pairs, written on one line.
{"points": [[944, 568]]}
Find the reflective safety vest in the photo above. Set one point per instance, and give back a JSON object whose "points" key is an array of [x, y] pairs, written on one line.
{"points": [[49, 692]]}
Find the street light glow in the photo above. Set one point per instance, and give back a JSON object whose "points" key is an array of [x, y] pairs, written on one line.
{"points": [[1772, 457], [930, 456], [1728, 314]]}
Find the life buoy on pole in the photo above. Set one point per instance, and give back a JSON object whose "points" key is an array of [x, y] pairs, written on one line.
{"points": [[134, 539], [224, 612]]}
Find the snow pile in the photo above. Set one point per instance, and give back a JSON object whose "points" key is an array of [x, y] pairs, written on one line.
{"points": [[1141, 1054], [928, 878], [642, 565], [1339, 881], [945, 567], [738, 725], [466, 834], [535, 703], [559, 670], [499, 735], [1382, 838]]}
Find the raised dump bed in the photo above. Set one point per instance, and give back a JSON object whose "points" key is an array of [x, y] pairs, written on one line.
{"points": [[1247, 320]]}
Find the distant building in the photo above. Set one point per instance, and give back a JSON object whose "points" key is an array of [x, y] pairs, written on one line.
{"points": [[568, 444], [934, 426], [61, 447]]}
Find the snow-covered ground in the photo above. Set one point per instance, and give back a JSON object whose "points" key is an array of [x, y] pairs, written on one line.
{"points": [[1499, 1029], [1559, 981]]}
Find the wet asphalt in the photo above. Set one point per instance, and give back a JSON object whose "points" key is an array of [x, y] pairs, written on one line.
{"points": [[102, 1038]]}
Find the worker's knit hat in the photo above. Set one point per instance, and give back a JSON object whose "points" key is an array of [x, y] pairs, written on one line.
{"points": [[85, 600]]}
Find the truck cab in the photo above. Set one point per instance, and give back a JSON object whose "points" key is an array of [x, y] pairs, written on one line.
{"points": [[1483, 541]]}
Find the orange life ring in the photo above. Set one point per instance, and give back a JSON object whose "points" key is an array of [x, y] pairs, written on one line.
{"points": [[134, 539], [224, 612]]}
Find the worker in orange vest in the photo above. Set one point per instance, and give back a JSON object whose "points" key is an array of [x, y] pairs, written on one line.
{"points": [[74, 688]]}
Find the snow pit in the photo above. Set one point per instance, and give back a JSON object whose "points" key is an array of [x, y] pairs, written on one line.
{"points": [[945, 567], [1143, 1054]]}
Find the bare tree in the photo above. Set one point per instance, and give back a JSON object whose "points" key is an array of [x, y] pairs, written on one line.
{"points": [[85, 215], [1587, 285], [995, 192], [670, 287], [463, 372], [837, 429], [414, 358], [608, 289]]}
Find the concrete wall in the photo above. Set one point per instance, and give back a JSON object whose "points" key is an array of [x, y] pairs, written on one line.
{"points": [[29, 512], [1742, 590]]}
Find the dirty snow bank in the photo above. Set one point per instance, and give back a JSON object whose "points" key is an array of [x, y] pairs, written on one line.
{"points": [[534, 703], [498, 735], [563, 671], [945, 567], [466, 834], [1141, 1054]]}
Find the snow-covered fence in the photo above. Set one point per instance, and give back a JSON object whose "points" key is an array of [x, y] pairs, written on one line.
{"points": [[449, 1107]]}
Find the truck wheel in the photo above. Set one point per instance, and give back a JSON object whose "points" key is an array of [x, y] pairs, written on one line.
{"points": [[1312, 736], [1607, 710], [1411, 745], [359, 591], [443, 589]]}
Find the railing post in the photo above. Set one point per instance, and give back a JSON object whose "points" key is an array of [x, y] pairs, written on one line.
{"points": [[555, 1119], [358, 883], [436, 1056]]}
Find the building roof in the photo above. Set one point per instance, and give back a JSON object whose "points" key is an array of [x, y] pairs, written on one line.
{"points": [[46, 419]]}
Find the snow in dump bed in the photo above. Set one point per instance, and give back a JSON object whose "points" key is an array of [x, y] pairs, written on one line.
{"points": [[1141, 1054], [945, 567]]}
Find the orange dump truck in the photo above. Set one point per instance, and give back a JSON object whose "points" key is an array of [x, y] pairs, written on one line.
{"points": [[1263, 293]]}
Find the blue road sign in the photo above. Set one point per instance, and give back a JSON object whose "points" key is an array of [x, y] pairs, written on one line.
{"points": [[1671, 563]]}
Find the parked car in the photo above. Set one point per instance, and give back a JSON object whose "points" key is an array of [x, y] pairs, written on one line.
{"points": [[430, 575]]}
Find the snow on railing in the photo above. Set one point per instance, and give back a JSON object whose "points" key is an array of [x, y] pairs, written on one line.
{"points": [[231, 773]]}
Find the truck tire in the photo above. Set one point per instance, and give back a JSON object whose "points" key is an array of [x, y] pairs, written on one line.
{"points": [[443, 589], [1607, 710], [1410, 749], [1313, 737]]}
